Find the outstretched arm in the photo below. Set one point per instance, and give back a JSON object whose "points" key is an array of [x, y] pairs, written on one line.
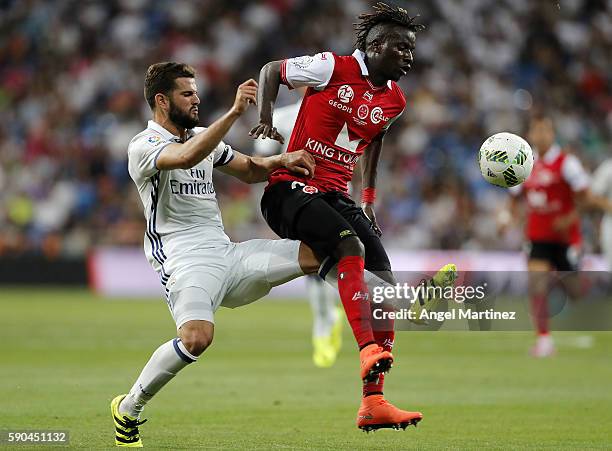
{"points": [[589, 200], [269, 82], [187, 155], [256, 169], [370, 171], [307, 71], [510, 213]]}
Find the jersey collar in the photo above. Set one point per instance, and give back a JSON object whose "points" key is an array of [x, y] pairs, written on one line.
{"points": [[166, 134], [360, 57]]}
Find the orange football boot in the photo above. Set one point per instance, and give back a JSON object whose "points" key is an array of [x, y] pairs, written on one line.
{"points": [[374, 361], [377, 413]]}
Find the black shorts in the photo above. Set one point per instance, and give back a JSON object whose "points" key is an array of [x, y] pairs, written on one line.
{"points": [[321, 220], [561, 256]]}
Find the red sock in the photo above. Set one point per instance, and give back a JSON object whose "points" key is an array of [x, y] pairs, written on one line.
{"points": [[385, 339], [355, 298], [539, 310]]}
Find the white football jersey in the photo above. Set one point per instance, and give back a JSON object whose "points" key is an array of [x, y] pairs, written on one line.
{"points": [[180, 205]]}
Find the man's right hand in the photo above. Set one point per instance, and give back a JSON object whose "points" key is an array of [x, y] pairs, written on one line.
{"points": [[245, 95], [301, 162], [265, 129]]}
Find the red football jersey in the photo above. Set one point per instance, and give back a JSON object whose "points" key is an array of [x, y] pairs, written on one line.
{"points": [[341, 113], [550, 195]]}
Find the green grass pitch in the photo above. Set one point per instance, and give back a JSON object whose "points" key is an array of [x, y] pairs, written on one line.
{"points": [[65, 353]]}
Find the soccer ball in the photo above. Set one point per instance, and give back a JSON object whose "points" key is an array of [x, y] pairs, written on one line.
{"points": [[505, 160]]}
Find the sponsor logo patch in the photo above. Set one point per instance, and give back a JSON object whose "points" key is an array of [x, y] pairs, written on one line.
{"points": [[345, 233], [340, 106], [377, 115], [345, 93], [302, 62], [310, 189], [155, 140], [363, 111]]}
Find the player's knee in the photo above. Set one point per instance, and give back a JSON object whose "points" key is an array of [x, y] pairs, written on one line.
{"points": [[197, 344], [196, 339], [351, 246]]}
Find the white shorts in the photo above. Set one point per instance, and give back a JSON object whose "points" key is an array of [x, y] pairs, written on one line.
{"points": [[230, 276]]}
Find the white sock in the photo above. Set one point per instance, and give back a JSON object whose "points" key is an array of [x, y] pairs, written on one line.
{"points": [[323, 307], [166, 361]]}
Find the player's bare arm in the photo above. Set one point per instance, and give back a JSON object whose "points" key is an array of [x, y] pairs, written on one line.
{"points": [[510, 213], [370, 170], [257, 169], [269, 82], [190, 153], [587, 199]]}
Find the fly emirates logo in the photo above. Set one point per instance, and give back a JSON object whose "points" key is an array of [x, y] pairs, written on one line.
{"points": [[197, 186]]}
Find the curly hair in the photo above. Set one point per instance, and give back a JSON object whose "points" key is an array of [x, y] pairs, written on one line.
{"points": [[383, 15]]}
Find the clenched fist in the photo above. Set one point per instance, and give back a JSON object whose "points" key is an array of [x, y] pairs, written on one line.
{"points": [[245, 95]]}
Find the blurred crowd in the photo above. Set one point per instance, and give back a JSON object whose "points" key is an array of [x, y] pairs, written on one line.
{"points": [[71, 75]]}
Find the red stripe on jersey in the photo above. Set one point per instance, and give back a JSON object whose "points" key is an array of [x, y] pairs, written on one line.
{"points": [[283, 73]]}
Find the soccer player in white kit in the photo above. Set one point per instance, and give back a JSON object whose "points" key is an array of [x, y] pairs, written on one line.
{"points": [[171, 163], [327, 317]]}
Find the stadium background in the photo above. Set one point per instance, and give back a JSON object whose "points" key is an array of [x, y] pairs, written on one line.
{"points": [[71, 75]]}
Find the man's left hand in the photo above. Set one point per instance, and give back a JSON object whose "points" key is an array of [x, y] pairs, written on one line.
{"points": [[368, 209]]}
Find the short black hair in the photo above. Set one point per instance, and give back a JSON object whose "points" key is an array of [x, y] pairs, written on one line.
{"points": [[383, 15], [160, 79]]}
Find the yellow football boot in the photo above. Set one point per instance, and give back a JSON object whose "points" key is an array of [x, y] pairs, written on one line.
{"points": [[126, 428]]}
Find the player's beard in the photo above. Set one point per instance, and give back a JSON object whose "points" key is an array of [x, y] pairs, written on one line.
{"points": [[182, 119]]}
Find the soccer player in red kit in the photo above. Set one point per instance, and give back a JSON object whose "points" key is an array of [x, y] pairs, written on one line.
{"points": [[557, 187], [350, 103]]}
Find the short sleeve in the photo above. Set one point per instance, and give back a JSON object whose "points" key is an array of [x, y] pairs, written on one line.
{"points": [[312, 71], [223, 154], [143, 152], [602, 179], [574, 174]]}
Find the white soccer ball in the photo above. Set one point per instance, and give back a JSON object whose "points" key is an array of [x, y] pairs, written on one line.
{"points": [[505, 160]]}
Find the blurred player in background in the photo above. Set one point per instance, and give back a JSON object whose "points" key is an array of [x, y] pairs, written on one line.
{"points": [[349, 104], [171, 163], [554, 193], [602, 186], [327, 318]]}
